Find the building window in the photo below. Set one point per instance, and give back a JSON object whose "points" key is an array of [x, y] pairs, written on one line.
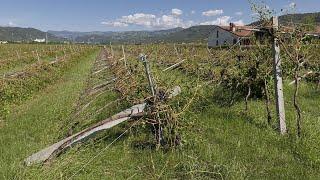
{"points": [[217, 34], [217, 43], [234, 41]]}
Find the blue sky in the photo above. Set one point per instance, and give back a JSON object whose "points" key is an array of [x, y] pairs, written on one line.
{"points": [[123, 15]]}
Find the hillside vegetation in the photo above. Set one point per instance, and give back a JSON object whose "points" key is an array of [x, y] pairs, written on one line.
{"points": [[24, 34]]}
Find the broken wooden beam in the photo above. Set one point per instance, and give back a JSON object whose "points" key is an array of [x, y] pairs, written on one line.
{"points": [[300, 78], [99, 71], [58, 147], [55, 149], [174, 66], [104, 84]]}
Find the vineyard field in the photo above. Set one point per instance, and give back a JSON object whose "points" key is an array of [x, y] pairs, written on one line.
{"points": [[223, 124]]}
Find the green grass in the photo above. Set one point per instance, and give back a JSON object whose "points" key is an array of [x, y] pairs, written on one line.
{"points": [[37, 122], [218, 142]]}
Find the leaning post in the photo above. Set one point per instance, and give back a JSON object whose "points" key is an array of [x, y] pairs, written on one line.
{"points": [[145, 62], [278, 78], [158, 127]]}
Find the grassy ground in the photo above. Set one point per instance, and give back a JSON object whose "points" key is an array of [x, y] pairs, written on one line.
{"points": [[37, 122], [218, 142]]}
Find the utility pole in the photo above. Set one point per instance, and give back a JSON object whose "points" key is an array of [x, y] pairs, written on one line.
{"points": [[278, 78]]}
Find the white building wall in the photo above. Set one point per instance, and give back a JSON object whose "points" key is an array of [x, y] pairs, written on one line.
{"points": [[220, 37], [40, 40]]}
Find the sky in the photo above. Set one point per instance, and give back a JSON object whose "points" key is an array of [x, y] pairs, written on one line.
{"points": [[125, 15]]}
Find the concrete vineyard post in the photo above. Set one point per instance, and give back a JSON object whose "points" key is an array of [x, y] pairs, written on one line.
{"points": [[38, 55], [278, 79], [145, 61], [111, 48], [18, 56], [124, 57]]}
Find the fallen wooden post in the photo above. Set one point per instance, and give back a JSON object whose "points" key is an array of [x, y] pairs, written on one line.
{"points": [[104, 84], [58, 147], [99, 71], [174, 66], [300, 78]]}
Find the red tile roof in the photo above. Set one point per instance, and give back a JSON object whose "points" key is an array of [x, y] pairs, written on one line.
{"points": [[241, 31]]}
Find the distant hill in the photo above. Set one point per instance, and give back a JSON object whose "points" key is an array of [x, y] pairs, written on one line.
{"points": [[297, 18], [300, 18], [192, 34], [72, 35], [195, 33], [24, 34], [117, 37]]}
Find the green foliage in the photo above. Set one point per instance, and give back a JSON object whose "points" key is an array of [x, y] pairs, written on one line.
{"points": [[33, 78]]}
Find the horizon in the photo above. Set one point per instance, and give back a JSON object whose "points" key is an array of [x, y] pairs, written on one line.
{"points": [[124, 16]]}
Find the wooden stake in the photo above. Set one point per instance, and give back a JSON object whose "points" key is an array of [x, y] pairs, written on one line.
{"points": [[145, 61], [278, 79], [111, 48], [38, 55], [124, 57], [174, 66], [18, 55]]}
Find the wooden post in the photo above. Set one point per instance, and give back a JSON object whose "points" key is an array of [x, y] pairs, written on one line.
{"points": [[124, 57], [18, 55], [145, 61], [111, 48], [64, 53], [158, 127], [38, 55], [278, 79], [46, 37]]}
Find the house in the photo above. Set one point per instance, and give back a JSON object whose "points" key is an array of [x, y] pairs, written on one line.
{"points": [[40, 40], [3, 42], [230, 35]]}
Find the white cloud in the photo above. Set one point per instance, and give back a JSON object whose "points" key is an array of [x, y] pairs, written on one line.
{"points": [[115, 24], [176, 12], [168, 21], [139, 19], [292, 5], [212, 12], [221, 21], [239, 13], [172, 20], [11, 24], [239, 22], [193, 12]]}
